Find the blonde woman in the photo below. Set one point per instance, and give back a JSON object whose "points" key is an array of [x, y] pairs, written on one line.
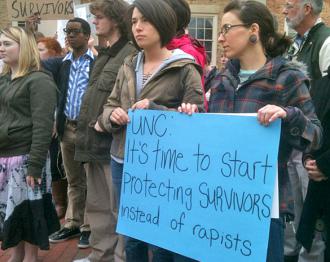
{"points": [[27, 103]]}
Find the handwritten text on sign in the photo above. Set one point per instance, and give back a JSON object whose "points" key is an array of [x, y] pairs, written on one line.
{"points": [[199, 185], [48, 10]]}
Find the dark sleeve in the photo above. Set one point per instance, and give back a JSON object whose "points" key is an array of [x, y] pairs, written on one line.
{"points": [[53, 66], [301, 128], [322, 156], [113, 101], [323, 161], [42, 105], [321, 99]]}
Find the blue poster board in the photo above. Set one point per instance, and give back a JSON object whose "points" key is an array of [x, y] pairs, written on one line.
{"points": [[199, 185]]}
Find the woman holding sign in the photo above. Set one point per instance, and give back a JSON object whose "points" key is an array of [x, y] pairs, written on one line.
{"points": [[257, 79], [155, 78], [27, 104]]}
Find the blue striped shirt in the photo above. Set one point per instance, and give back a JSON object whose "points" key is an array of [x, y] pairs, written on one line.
{"points": [[78, 82]]}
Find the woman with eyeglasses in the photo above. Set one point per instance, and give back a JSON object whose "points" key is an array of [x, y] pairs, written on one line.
{"points": [[257, 79], [27, 104]]}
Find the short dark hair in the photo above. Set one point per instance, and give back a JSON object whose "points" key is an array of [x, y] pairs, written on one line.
{"points": [[84, 25], [160, 15], [183, 14], [250, 12], [115, 10]]}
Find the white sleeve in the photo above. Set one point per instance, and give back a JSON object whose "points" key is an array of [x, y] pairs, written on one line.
{"points": [[324, 56]]}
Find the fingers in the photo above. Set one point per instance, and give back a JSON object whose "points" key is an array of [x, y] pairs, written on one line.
{"points": [[98, 128], [270, 113], [310, 166], [54, 133], [31, 181], [316, 176], [119, 116], [143, 104], [314, 173], [188, 108], [309, 162], [275, 116]]}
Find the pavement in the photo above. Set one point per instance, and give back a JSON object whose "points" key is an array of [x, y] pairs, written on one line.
{"points": [[66, 251]]}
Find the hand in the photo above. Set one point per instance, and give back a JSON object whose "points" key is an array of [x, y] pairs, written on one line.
{"points": [[31, 181], [91, 42], [32, 21], [270, 113], [188, 108], [142, 104], [119, 116], [98, 128], [314, 173], [54, 133]]}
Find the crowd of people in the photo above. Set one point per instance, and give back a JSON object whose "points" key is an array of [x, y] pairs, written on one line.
{"points": [[64, 113]]}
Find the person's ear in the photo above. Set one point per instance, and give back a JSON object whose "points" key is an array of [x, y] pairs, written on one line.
{"points": [[253, 39], [308, 9]]}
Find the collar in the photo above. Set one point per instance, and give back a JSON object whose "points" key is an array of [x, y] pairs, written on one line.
{"points": [[88, 54], [318, 21], [269, 70], [115, 48]]}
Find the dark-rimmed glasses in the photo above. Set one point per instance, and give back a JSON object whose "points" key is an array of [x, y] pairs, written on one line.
{"points": [[75, 31], [226, 27]]}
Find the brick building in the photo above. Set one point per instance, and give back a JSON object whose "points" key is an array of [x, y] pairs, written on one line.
{"points": [[206, 16]]}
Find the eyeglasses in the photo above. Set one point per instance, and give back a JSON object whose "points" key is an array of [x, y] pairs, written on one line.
{"points": [[226, 27], [75, 31]]}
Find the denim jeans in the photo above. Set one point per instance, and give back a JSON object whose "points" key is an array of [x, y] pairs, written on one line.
{"points": [[117, 176], [137, 251], [275, 252], [163, 255]]}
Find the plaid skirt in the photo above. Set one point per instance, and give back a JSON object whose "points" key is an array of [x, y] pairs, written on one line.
{"points": [[26, 214]]}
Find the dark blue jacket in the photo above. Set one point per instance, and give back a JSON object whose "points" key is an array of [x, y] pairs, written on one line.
{"points": [[60, 70]]}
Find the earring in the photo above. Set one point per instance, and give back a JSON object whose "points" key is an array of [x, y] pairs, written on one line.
{"points": [[253, 39]]}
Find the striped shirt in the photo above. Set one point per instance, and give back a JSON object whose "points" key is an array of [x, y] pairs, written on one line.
{"points": [[78, 82]]}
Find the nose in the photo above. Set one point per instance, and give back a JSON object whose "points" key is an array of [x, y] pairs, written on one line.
{"points": [[94, 21], [221, 38], [284, 11], [138, 26]]}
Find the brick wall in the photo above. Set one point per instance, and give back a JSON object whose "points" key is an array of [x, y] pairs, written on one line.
{"points": [[277, 6], [4, 21]]}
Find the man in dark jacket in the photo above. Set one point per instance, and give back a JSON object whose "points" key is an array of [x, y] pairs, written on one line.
{"points": [[92, 147], [317, 202], [312, 47], [71, 74]]}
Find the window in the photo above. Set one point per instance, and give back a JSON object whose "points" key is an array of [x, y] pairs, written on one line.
{"points": [[203, 28]]}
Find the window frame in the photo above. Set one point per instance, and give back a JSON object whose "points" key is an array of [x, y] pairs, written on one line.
{"points": [[214, 19], [212, 11]]}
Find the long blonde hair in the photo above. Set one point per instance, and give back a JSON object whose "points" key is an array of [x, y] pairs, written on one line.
{"points": [[29, 58]]}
